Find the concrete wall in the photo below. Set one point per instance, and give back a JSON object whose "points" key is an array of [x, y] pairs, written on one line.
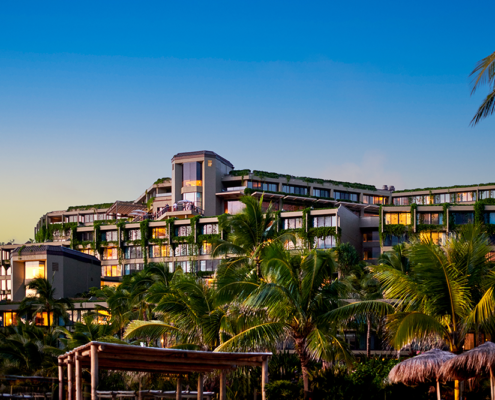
{"points": [[351, 233], [18, 276]]}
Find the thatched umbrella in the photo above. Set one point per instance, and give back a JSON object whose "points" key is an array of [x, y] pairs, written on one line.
{"points": [[476, 362], [420, 369]]}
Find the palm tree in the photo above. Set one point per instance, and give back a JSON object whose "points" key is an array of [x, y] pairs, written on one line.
{"points": [[28, 350], [397, 258], [484, 73], [44, 301], [88, 330], [249, 234], [444, 293], [365, 287], [347, 258], [296, 292]]}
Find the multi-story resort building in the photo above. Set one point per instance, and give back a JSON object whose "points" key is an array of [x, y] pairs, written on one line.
{"points": [[175, 220]]}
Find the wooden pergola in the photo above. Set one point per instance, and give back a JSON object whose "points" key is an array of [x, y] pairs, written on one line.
{"points": [[110, 356]]}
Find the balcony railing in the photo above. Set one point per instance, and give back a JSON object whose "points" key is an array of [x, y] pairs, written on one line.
{"points": [[180, 207]]}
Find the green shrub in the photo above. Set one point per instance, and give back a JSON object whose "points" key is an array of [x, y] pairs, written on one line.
{"points": [[284, 390]]}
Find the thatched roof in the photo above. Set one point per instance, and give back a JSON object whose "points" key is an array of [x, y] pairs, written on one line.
{"points": [[422, 368], [472, 363]]}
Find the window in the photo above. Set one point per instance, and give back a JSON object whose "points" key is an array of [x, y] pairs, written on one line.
{"points": [[441, 198], [132, 252], [159, 233], [371, 253], [183, 250], [465, 196], [398, 218], [263, 186], [208, 265], [292, 223], [289, 245], [186, 266], [9, 318], [110, 253], [234, 207], [192, 174], [131, 268], [490, 218], [194, 198], [328, 220], [392, 240], [90, 252], [41, 319], [183, 230], [109, 236], [401, 201], [374, 199], [321, 193], [205, 248], [34, 269], [72, 218], [102, 217], [463, 218], [373, 236], [157, 251], [89, 218], [295, 189], [86, 236], [111, 271], [435, 237], [134, 234], [346, 196], [325, 243], [487, 194], [430, 218], [209, 229]]}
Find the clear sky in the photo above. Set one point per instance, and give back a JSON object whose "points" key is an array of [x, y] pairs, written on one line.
{"points": [[97, 96]]}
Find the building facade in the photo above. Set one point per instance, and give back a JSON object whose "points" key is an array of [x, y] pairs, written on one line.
{"points": [[175, 219]]}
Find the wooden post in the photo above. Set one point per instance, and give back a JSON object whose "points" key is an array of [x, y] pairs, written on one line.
{"points": [[178, 393], [264, 378], [94, 371], [439, 396], [223, 388], [70, 378], [200, 386], [78, 377], [60, 382], [492, 384]]}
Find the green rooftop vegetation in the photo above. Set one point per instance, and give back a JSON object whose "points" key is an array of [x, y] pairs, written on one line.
{"points": [[274, 175], [444, 187], [161, 180], [90, 207]]}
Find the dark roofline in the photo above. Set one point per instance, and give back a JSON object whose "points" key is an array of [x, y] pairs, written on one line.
{"points": [[206, 153], [55, 251]]}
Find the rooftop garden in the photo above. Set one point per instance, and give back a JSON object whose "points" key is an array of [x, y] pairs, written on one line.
{"points": [[444, 187], [274, 175], [161, 180], [90, 207]]}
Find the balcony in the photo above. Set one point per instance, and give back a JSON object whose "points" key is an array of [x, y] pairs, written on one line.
{"points": [[182, 208]]}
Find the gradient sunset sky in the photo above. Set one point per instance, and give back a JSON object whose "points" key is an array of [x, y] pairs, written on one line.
{"points": [[96, 97]]}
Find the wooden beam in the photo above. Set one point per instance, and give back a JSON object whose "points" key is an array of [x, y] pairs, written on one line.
{"points": [[178, 392], [78, 378], [94, 372], [200, 386], [223, 386], [60, 382], [70, 380], [264, 378]]}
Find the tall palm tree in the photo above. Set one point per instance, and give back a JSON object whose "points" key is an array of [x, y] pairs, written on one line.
{"points": [[484, 74], [44, 300], [296, 292], [249, 234]]}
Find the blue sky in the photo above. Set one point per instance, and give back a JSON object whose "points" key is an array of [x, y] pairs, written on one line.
{"points": [[96, 97]]}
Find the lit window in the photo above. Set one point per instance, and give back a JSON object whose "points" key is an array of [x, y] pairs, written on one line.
{"points": [[35, 269], [192, 174], [159, 233]]}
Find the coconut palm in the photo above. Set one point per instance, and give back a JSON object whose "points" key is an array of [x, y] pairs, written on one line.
{"points": [[397, 258], [27, 349], [443, 294], [89, 329], [44, 301], [249, 234], [296, 292], [484, 74]]}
